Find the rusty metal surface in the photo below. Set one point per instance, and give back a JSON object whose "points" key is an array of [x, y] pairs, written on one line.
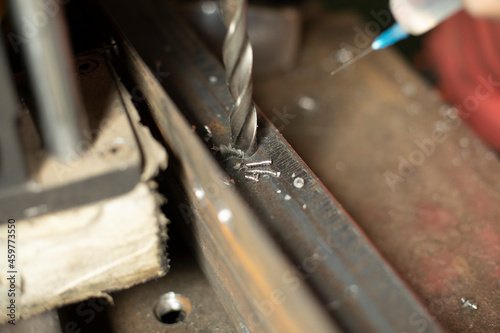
{"points": [[422, 186], [350, 278]]}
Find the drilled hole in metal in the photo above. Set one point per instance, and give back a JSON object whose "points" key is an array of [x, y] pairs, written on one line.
{"points": [[172, 308], [86, 66]]}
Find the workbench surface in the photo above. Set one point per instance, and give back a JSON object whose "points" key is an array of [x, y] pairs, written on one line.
{"points": [[404, 165]]}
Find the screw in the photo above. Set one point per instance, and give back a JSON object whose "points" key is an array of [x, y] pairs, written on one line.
{"points": [[298, 182], [468, 303]]}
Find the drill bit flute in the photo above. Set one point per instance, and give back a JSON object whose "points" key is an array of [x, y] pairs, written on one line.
{"points": [[237, 56]]}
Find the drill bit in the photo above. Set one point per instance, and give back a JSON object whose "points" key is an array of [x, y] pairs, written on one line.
{"points": [[237, 56]]}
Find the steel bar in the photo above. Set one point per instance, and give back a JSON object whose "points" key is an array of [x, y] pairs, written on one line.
{"points": [[253, 272], [45, 47]]}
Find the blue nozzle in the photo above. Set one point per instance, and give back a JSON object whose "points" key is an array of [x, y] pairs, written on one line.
{"points": [[389, 37]]}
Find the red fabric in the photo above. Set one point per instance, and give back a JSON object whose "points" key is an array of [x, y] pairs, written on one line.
{"points": [[465, 53]]}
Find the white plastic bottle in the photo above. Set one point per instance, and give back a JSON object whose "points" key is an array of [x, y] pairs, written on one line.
{"points": [[414, 17], [419, 16]]}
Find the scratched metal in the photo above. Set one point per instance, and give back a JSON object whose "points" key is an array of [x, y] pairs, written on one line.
{"points": [[337, 260]]}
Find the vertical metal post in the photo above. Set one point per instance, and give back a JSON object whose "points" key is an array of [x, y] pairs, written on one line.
{"points": [[12, 165], [45, 48]]}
